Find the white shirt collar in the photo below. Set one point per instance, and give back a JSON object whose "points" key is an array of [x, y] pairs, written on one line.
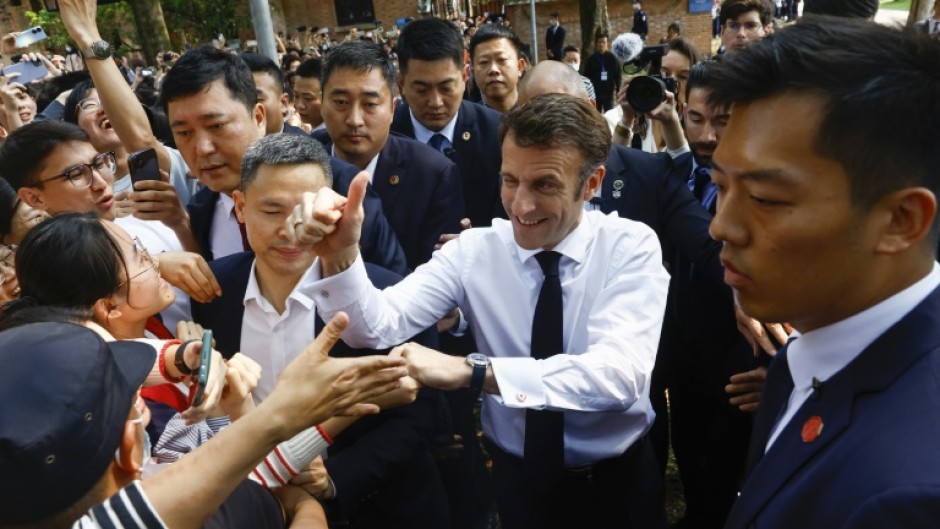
{"points": [[370, 169], [227, 204], [823, 352], [423, 134], [301, 293], [573, 246]]}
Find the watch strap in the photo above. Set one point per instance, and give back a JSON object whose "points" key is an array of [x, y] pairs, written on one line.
{"points": [[180, 361]]}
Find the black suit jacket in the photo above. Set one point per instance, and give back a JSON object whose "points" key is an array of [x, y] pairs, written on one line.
{"points": [[650, 188], [555, 41], [382, 462], [378, 242], [876, 460], [478, 156], [420, 191]]}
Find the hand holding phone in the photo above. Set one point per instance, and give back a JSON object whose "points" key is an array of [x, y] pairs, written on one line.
{"points": [[143, 165], [25, 72], [30, 36], [205, 363]]}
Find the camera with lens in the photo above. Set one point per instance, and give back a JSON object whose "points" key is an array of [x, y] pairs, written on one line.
{"points": [[646, 92]]}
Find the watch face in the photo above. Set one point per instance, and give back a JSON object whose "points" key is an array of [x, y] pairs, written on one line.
{"points": [[101, 49], [478, 359]]}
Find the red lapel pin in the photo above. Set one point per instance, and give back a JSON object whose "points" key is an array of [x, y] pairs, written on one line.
{"points": [[812, 429], [394, 180]]}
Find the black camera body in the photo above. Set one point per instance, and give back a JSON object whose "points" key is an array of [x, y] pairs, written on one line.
{"points": [[646, 92]]}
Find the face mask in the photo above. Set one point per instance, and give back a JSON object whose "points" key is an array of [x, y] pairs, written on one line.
{"points": [[553, 22], [575, 65]]}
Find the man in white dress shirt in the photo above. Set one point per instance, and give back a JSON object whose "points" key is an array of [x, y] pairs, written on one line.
{"points": [[613, 288]]}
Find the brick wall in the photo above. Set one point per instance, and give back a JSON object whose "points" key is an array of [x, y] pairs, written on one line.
{"points": [[661, 13], [322, 13]]}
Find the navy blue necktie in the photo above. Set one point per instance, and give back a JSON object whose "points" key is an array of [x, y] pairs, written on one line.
{"points": [[437, 141], [544, 455], [778, 387], [702, 186]]}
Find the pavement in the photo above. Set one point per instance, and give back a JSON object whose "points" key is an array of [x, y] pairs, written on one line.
{"points": [[891, 17]]}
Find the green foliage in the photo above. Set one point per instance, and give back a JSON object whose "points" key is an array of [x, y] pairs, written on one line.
{"points": [[115, 23], [201, 21]]}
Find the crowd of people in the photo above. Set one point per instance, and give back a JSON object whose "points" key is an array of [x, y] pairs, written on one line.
{"points": [[410, 279]]}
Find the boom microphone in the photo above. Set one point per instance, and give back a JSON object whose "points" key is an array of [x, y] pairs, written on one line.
{"points": [[627, 46]]}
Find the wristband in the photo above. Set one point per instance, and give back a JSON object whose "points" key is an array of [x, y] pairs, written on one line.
{"points": [[622, 131], [326, 437], [161, 358], [180, 361]]}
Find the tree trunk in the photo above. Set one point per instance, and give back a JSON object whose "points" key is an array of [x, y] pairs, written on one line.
{"points": [[594, 19], [151, 28], [920, 9]]}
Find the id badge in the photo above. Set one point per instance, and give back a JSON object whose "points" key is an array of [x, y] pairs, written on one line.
{"points": [[603, 75]]}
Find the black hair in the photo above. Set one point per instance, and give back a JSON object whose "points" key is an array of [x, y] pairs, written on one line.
{"points": [[429, 39], [732, 9], [258, 63], [50, 89], [488, 32], [70, 260], [680, 45], [570, 48], [700, 76], [310, 68], [202, 66], [674, 27], [24, 152], [79, 92], [361, 56], [8, 203], [880, 114], [284, 149], [842, 8]]}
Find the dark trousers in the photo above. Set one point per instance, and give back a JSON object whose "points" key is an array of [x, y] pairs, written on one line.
{"points": [[605, 102], [623, 492]]}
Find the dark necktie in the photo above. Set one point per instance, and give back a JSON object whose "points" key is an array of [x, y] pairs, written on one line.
{"points": [[773, 399], [702, 186], [544, 454], [437, 141]]}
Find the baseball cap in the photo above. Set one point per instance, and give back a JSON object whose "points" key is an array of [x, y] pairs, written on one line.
{"points": [[67, 395]]}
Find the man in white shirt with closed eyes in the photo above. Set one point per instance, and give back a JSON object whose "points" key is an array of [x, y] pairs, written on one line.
{"points": [[566, 348]]}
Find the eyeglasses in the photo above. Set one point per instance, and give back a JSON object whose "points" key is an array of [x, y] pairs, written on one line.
{"points": [[81, 175], [751, 28], [8, 268], [149, 262], [89, 104]]}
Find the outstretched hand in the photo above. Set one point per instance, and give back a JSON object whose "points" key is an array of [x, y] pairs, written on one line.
{"points": [[315, 387]]}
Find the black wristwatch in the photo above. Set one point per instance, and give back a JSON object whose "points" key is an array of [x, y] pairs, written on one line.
{"points": [[99, 49], [179, 360], [478, 362]]}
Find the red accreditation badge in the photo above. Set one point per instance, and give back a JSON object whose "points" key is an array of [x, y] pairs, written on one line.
{"points": [[812, 428]]}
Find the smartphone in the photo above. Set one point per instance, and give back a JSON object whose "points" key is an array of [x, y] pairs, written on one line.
{"points": [[143, 165], [29, 72], [53, 5], [30, 36], [205, 362]]}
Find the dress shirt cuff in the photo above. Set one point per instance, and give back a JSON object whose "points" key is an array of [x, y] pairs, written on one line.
{"points": [[337, 292], [462, 325], [520, 382], [675, 153]]}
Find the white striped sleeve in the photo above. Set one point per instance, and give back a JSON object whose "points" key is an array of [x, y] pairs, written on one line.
{"points": [[289, 458]]}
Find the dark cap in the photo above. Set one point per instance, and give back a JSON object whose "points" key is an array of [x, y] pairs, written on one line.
{"points": [[66, 396]]}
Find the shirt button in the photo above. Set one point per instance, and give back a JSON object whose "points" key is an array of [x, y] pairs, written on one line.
{"points": [[324, 293], [520, 397]]}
